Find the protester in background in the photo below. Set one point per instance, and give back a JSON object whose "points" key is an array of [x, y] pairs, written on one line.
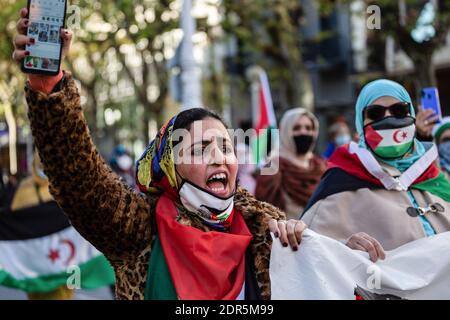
{"points": [[2, 188], [441, 134], [122, 163], [38, 245], [339, 134], [191, 233], [247, 167], [246, 158], [299, 168], [7, 187], [386, 190]]}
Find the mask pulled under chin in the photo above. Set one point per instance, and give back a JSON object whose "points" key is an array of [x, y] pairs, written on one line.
{"points": [[303, 143], [210, 208], [390, 137]]}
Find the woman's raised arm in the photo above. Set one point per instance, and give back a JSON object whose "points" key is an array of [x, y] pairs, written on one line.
{"points": [[105, 211]]}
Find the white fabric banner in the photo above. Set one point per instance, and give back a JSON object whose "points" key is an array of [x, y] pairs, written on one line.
{"points": [[324, 268]]}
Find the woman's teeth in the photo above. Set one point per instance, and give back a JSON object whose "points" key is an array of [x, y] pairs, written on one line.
{"points": [[217, 182], [218, 176], [217, 189]]}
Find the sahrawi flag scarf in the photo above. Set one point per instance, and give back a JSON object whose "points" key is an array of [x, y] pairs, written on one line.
{"points": [[350, 159]]}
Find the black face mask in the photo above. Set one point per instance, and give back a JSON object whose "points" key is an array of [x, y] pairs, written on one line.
{"points": [[303, 143]]}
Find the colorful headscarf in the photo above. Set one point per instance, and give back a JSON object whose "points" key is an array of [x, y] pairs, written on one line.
{"points": [[156, 174], [155, 169], [371, 92], [444, 148]]}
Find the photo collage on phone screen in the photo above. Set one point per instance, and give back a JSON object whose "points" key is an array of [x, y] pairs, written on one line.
{"points": [[46, 32]]}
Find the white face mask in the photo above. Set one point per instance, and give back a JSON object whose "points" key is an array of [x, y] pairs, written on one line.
{"points": [[124, 162], [211, 208], [342, 139]]}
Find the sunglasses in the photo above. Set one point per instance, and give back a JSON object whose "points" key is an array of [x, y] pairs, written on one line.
{"points": [[377, 112]]}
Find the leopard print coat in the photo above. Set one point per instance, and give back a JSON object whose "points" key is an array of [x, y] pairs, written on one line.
{"points": [[117, 220]]}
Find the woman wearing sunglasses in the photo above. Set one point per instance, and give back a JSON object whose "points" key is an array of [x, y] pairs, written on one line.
{"points": [[192, 233], [384, 191]]}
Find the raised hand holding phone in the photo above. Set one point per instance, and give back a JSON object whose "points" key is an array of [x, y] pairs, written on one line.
{"points": [[38, 81], [430, 101], [45, 19]]}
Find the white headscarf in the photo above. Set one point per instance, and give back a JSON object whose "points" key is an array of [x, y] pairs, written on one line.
{"points": [[287, 123]]}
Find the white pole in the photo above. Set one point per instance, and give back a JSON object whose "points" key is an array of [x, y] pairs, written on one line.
{"points": [[191, 94], [253, 75], [402, 12], [12, 130]]}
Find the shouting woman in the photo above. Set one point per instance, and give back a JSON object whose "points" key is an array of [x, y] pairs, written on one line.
{"points": [[191, 234]]}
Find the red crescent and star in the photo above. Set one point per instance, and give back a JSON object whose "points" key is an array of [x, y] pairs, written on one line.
{"points": [[54, 255], [399, 136]]}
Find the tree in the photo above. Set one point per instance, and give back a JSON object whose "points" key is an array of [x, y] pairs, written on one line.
{"points": [[12, 106], [402, 24], [268, 32], [140, 35], [419, 28]]}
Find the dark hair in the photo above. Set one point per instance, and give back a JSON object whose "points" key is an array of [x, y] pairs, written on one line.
{"points": [[187, 117]]}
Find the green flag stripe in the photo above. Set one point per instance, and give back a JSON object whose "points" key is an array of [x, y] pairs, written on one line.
{"points": [[95, 273], [438, 186], [388, 151], [159, 284], [260, 144]]}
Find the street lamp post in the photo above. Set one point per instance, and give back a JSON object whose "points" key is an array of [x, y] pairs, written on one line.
{"points": [[253, 75], [191, 95]]}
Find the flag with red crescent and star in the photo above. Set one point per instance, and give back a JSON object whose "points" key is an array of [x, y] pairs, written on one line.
{"points": [[39, 248], [390, 141]]}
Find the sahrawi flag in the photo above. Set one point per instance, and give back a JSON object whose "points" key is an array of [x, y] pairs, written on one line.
{"points": [[40, 251], [263, 118], [385, 142]]}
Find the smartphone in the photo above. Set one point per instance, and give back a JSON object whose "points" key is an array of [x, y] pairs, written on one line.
{"points": [[430, 100], [46, 17]]}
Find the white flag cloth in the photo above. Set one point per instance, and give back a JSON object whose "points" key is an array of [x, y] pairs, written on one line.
{"points": [[324, 268]]}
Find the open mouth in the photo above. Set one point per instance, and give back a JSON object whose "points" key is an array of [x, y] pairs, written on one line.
{"points": [[217, 182]]}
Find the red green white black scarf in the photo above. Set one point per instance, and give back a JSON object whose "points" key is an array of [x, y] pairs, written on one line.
{"points": [[197, 265], [431, 179]]}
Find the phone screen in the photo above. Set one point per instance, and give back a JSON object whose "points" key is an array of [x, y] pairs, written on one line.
{"points": [[430, 100], [46, 19]]}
